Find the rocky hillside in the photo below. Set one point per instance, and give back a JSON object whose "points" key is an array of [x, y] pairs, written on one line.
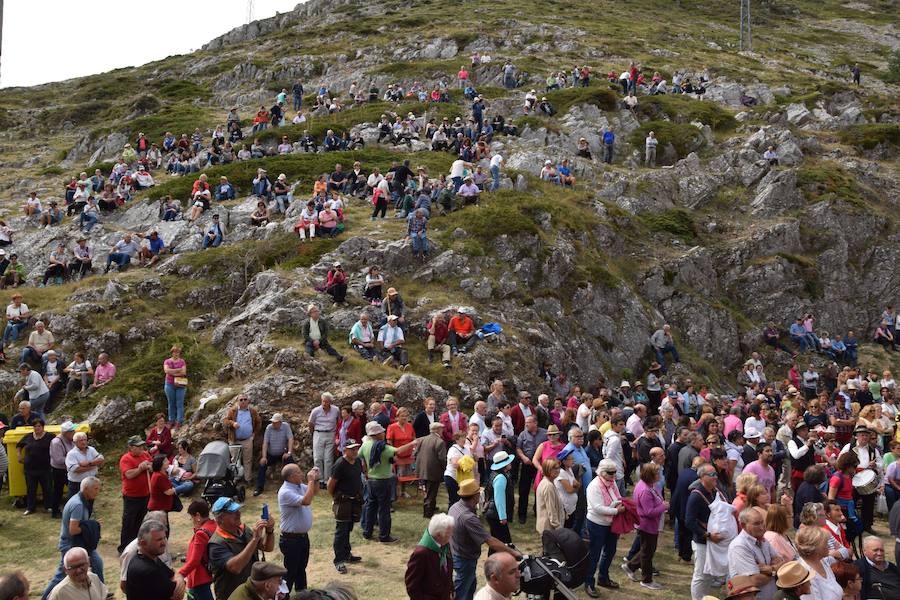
{"points": [[715, 242]]}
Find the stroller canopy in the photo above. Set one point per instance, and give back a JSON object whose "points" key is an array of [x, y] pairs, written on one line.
{"points": [[214, 460]]}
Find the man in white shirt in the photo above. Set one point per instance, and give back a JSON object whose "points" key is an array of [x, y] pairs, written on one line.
{"points": [[501, 571], [392, 340], [583, 415], [323, 423], [478, 416], [80, 583], [496, 164], [122, 252], [34, 389], [635, 423], [869, 458], [82, 462]]}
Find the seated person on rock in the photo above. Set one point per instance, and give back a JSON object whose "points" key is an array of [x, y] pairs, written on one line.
{"points": [[123, 251], [32, 205], [315, 334], [262, 186], [285, 146], [281, 189], [362, 337], [445, 198], [80, 198], [109, 199], [392, 341], [770, 156], [260, 216], [15, 273], [331, 143], [584, 149], [548, 173], [82, 259], [89, 216], [201, 196], [225, 191], [143, 179], [565, 173], [104, 372], [40, 341], [80, 373], [51, 216], [461, 332], [308, 221], [437, 338], [308, 142], [57, 265], [150, 253], [546, 107], [469, 192], [328, 222], [215, 233], [336, 284], [170, 209]]}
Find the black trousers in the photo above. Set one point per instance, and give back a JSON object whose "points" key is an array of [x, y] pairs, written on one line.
{"points": [[867, 512], [134, 509], [295, 549], [33, 479], [341, 544], [380, 207], [684, 541], [526, 481], [60, 486], [500, 531], [644, 558], [429, 505]]}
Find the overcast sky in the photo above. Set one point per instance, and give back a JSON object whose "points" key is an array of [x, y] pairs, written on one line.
{"points": [[52, 40]]}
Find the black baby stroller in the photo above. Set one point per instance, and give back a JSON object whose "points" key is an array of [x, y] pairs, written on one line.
{"points": [[562, 567], [220, 465]]}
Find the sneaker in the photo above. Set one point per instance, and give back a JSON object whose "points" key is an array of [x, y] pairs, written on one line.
{"points": [[387, 361], [388, 540], [341, 568], [354, 559], [591, 592], [447, 365], [652, 585], [28, 512], [608, 584], [628, 571], [257, 492]]}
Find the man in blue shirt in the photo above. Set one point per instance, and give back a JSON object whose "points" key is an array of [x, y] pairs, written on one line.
{"points": [[798, 334], [77, 510], [294, 500], [149, 255], [609, 139]]}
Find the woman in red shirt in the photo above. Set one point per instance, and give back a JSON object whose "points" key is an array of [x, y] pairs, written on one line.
{"points": [[398, 434], [349, 427], [840, 489], [159, 440], [196, 569], [162, 494]]}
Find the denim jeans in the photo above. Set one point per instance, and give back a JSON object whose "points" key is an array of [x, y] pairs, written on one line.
{"points": [[495, 173], [214, 242], [12, 331], [282, 202], [602, 551], [120, 258], [87, 221], [661, 352], [182, 487], [295, 550], [341, 544], [464, 577], [202, 592], [96, 567], [38, 403], [175, 396], [419, 243], [378, 504]]}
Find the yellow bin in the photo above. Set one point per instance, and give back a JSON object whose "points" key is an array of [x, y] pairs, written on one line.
{"points": [[16, 469]]}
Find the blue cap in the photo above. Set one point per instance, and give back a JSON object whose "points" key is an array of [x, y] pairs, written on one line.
{"points": [[225, 505], [563, 454]]}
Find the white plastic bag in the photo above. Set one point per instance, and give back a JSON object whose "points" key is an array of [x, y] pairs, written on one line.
{"points": [[881, 505], [721, 521]]}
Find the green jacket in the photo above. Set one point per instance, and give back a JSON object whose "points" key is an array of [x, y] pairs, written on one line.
{"points": [[245, 592], [323, 329], [18, 268]]}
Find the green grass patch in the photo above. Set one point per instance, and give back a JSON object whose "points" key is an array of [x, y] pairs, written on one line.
{"points": [[678, 222], [181, 90], [303, 167], [827, 181], [684, 137], [601, 97], [868, 136], [682, 109]]}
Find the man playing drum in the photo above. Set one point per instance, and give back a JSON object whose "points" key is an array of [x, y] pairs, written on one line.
{"points": [[867, 483]]}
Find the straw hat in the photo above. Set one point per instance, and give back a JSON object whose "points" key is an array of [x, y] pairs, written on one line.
{"points": [[792, 574]]}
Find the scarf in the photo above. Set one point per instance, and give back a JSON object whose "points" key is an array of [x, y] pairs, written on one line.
{"points": [[375, 456], [428, 542]]}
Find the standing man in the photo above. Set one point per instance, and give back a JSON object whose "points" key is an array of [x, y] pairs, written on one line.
{"points": [[134, 467], [869, 458], [762, 468], [575, 448], [323, 421], [479, 415], [468, 537], [82, 462], [431, 460], [613, 449], [750, 556], [377, 455], [148, 578], [496, 166], [662, 340], [233, 548], [696, 518], [650, 158], [530, 438], [242, 423], [79, 581], [856, 72], [278, 445], [609, 140], [345, 487], [501, 571], [521, 411], [77, 510], [297, 91], [294, 500], [59, 449]]}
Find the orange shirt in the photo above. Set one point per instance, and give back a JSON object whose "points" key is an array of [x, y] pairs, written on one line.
{"points": [[462, 325], [400, 436], [319, 187]]}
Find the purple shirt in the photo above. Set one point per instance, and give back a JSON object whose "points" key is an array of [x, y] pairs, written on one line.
{"points": [[765, 476], [173, 363]]}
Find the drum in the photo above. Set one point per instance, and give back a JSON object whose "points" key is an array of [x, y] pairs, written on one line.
{"points": [[865, 482]]}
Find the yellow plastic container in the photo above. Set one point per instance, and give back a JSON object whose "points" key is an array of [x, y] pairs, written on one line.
{"points": [[16, 469]]}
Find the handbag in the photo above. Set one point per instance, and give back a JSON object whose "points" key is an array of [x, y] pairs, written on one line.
{"points": [[180, 382], [177, 505]]}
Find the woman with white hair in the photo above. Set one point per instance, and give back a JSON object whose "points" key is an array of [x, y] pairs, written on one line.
{"points": [[604, 502], [429, 572]]}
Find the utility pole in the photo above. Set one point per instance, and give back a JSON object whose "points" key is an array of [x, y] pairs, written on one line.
{"points": [[746, 42]]}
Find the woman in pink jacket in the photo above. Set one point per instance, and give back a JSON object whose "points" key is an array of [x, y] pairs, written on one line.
{"points": [[650, 509]]}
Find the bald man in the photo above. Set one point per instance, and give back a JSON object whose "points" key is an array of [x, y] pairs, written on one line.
{"points": [[294, 500], [501, 571]]}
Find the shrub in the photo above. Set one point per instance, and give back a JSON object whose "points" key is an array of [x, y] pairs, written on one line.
{"points": [[675, 221], [178, 90], [685, 138], [563, 100], [827, 181], [871, 135], [682, 109]]}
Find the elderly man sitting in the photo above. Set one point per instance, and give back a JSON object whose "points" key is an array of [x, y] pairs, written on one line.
{"points": [[40, 342], [315, 334], [468, 192], [881, 579]]}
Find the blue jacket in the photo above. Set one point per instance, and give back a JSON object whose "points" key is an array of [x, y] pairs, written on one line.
{"points": [[696, 513], [225, 192], [609, 138]]}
